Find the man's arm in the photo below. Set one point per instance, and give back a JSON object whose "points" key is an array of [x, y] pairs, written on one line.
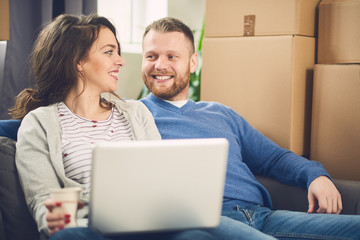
{"points": [[325, 193]]}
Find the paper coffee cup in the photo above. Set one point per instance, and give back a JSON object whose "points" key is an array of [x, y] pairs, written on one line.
{"points": [[69, 198]]}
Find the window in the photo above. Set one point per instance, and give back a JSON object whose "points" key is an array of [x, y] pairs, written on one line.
{"points": [[131, 17]]}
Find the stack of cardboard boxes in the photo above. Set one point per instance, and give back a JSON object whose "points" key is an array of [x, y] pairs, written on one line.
{"points": [[335, 135], [4, 20], [258, 58]]}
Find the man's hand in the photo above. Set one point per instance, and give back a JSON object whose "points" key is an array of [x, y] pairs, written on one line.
{"points": [[325, 193]]}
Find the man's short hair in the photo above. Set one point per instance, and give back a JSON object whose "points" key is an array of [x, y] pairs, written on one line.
{"points": [[169, 24]]}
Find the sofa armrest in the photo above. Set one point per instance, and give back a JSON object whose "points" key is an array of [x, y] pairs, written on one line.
{"points": [[17, 221], [350, 194], [2, 228], [294, 198]]}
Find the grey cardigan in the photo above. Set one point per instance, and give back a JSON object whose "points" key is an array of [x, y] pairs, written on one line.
{"points": [[39, 156]]}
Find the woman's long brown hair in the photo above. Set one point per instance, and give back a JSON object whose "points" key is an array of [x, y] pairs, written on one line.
{"points": [[57, 50]]}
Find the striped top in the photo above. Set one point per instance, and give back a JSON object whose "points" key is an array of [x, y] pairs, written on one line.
{"points": [[79, 136]]}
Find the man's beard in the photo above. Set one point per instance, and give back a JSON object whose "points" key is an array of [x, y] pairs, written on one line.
{"points": [[179, 84]]}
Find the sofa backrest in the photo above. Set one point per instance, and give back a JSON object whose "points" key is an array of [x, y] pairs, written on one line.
{"points": [[17, 222], [9, 128]]}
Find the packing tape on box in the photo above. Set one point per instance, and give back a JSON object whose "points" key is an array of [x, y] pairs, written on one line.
{"points": [[249, 25]]}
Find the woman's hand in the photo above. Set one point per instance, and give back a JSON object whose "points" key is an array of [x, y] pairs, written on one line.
{"points": [[56, 221]]}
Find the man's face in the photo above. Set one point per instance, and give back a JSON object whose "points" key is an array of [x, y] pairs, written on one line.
{"points": [[167, 64]]}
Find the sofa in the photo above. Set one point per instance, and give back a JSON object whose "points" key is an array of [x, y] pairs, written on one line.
{"points": [[16, 222]]}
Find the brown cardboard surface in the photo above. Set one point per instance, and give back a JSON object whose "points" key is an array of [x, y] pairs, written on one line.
{"points": [[339, 32], [4, 20], [335, 135], [267, 80], [275, 17]]}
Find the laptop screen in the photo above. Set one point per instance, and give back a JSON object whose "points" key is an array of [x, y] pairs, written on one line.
{"points": [[143, 186]]}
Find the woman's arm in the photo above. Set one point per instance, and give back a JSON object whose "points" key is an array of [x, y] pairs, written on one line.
{"points": [[35, 167]]}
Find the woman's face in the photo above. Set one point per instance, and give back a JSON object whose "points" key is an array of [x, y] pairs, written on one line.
{"points": [[99, 70]]}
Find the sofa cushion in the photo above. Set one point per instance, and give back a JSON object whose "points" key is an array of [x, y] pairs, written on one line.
{"points": [[9, 128], [286, 197], [17, 221]]}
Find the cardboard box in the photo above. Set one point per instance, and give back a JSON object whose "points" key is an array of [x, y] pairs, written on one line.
{"points": [[4, 20], [260, 17], [267, 80], [335, 135], [339, 31]]}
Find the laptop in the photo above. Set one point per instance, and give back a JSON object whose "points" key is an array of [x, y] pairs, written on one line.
{"points": [[161, 185]]}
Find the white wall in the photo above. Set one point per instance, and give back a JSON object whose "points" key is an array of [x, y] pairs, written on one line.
{"points": [[191, 12], [130, 82], [2, 62]]}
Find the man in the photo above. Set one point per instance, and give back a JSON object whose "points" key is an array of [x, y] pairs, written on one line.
{"points": [[168, 61]]}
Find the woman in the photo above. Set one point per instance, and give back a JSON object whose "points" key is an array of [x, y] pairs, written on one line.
{"points": [[75, 59]]}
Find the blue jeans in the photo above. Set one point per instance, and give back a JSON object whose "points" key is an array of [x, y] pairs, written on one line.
{"points": [[228, 229], [298, 225], [83, 233]]}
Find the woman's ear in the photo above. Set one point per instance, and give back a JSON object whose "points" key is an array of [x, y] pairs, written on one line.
{"points": [[79, 67]]}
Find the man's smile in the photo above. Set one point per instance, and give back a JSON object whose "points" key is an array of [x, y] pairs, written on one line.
{"points": [[162, 77]]}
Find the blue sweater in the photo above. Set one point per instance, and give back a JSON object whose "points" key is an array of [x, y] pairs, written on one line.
{"points": [[250, 152]]}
